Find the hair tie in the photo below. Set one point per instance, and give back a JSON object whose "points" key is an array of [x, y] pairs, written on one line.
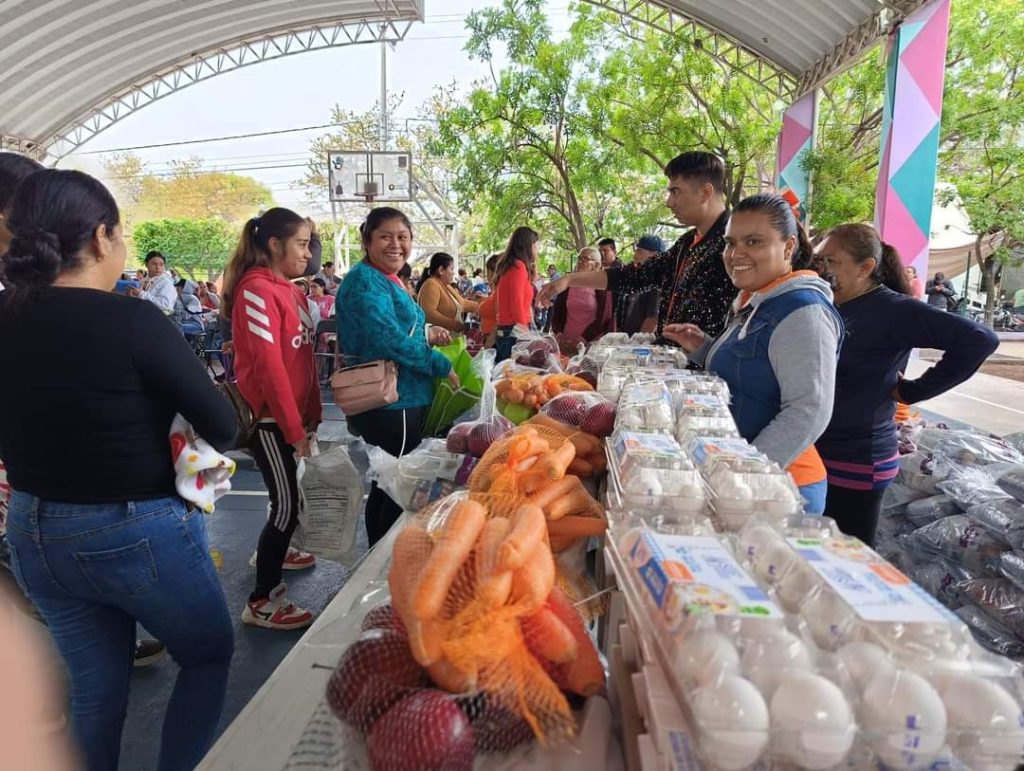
{"points": [[256, 222]]}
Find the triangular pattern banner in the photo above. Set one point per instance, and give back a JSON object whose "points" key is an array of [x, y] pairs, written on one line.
{"points": [[916, 70], [796, 140]]}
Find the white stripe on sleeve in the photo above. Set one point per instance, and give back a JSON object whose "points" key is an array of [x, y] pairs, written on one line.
{"points": [[261, 332], [255, 299], [262, 318]]}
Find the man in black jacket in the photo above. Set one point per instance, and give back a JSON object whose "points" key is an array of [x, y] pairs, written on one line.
{"points": [[691, 275]]}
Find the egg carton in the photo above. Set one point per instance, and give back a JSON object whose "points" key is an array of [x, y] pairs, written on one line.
{"points": [[611, 380], [646, 407], [706, 384], [648, 356], [741, 481], [651, 470], [759, 691], [924, 690]]}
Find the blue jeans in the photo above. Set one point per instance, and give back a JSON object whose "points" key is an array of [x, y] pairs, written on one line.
{"points": [[93, 571], [814, 497]]}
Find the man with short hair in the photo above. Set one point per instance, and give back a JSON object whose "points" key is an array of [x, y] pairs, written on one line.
{"points": [[691, 275], [609, 253], [940, 292], [638, 312]]}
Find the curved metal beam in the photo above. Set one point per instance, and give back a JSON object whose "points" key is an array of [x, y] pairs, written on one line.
{"points": [[719, 46], [207, 64]]}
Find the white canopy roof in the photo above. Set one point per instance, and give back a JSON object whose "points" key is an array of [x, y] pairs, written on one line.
{"points": [[65, 61]]}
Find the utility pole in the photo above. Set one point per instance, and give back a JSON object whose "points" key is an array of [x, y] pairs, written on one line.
{"points": [[383, 96]]}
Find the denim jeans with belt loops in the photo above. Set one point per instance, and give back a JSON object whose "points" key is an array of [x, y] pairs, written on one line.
{"points": [[93, 571]]}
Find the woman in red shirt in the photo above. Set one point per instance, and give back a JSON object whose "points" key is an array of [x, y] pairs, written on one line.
{"points": [[515, 273]]}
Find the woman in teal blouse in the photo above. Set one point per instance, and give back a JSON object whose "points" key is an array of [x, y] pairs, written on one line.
{"points": [[378, 320]]}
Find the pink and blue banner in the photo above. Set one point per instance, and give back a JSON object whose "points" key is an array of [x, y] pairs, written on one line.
{"points": [[796, 140], [915, 73]]}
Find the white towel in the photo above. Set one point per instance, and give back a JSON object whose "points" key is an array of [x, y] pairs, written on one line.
{"points": [[202, 475]]}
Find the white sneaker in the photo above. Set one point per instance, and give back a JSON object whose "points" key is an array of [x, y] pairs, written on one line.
{"points": [[294, 559], [276, 612]]}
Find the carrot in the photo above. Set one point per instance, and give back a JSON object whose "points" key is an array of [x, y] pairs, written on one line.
{"points": [[548, 422], [557, 461], [546, 636], [581, 468], [577, 527], [411, 548], [553, 387], [599, 462], [451, 549], [578, 500], [555, 490], [452, 677], [586, 444], [584, 674], [526, 464], [493, 585], [425, 639], [515, 395], [528, 529], [533, 582]]}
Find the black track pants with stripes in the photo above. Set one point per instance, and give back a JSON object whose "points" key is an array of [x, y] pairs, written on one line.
{"points": [[276, 461]]}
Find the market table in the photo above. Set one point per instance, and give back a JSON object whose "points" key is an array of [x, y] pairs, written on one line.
{"points": [[264, 733]]}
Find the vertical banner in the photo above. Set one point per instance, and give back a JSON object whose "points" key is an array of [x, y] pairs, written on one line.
{"points": [[915, 73], [799, 124]]}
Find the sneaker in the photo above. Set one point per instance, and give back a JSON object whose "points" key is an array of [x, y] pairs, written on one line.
{"points": [[148, 652], [295, 559], [276, 612]]}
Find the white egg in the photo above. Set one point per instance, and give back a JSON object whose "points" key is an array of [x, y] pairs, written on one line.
{"points": [[811, 721], [985, 723], [758, 537], [829, 618], [705, 656], [733, 722], [863, 660], [796, 585], [766, 660], [903, 718], [735, 489], [646, 481], [773, 562]]}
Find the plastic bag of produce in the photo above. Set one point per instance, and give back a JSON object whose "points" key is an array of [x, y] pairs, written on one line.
{"points": [[915, 474], [476, 437], [1012, 482], [960, 540], [896, 498], [584, 367], [331, 493], [1011, 565], [587, 411], [539, 351], [972, 487], [939, 577], [990, 633], [1003, 518], [959, 451], [997, 598], [1016, 441], [924, 511]]}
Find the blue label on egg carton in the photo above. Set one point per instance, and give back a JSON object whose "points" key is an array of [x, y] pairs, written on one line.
{"points": [[696, 574], [706, 447], [874, 588]]}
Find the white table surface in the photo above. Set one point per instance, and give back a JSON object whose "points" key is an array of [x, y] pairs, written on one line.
{"points": [[263, 734]]}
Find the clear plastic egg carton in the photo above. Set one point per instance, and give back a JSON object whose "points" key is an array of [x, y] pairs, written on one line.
{"points": [[741, 481], [648, 356], [923, 691], [706, 384], [611, 380], [651, 471], [646, 407], [703, 415]]}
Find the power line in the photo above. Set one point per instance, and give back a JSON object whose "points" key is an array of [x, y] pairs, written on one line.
{"points": [[219, 139]]}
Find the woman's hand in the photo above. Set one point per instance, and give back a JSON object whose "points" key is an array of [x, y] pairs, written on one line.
{"points": [[453, 380], [302, 448], [439, 336], [547, 293], [688, 336]]}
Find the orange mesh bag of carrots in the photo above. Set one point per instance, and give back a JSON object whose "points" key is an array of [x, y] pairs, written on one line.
{"points": [[585, 419], [473, 586]]}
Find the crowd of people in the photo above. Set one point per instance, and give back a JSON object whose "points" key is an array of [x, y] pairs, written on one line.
{"points": [[813, 341]]}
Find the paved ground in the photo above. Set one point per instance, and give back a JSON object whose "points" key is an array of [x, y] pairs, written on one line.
{"points": [[988, 402]]}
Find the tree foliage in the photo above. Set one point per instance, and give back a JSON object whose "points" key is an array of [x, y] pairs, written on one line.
{"points": [[199, 248], [185, 192]]}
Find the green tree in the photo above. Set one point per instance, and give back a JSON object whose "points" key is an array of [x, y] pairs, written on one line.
{"points": [[199, 248], [185, 192], [522, 144]]}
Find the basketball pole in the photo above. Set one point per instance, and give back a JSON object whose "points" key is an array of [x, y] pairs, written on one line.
{"points": [[383, 96]]}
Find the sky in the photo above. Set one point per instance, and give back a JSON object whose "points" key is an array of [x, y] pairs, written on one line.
{"points": [[294, 92]]}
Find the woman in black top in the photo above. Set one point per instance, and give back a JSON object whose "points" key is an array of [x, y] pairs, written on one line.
{"points": [[99, 537]]}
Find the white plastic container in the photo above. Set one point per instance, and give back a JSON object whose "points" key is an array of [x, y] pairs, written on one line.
{"points": [[650, 471], [645, 407]]}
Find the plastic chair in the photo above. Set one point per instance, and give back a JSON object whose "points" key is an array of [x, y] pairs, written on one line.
{"points": [[324, 344]]}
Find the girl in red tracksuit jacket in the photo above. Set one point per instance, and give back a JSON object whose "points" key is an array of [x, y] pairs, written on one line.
{"points": [[276, 374]]}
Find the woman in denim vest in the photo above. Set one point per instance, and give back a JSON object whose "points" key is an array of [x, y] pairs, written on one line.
{"points": [[779, 351]]}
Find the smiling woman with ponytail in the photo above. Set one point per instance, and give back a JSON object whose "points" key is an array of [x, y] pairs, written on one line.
{"points": [[884, 323]]}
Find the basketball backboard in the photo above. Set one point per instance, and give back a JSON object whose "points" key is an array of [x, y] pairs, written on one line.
{"points": [[369, 176]]}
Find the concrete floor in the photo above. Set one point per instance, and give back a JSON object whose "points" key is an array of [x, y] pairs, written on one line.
{"points": [[234, 530]]}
